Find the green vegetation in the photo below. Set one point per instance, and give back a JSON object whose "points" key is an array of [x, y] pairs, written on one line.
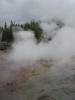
{"points": [[35, 27], [7, 33]]}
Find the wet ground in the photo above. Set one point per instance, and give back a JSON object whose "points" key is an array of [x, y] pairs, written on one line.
{"points": [[42, 80]]}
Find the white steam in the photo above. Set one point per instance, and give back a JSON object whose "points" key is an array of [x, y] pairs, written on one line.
{"points": [[61, 47], [50, 12]]}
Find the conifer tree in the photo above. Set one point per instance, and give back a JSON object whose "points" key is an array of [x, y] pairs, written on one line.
{"points": [[7, 35]]}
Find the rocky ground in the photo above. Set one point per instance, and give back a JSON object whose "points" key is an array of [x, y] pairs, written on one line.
{"points": [[41, 80]]}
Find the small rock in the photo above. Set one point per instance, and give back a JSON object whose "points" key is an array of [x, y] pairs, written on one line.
{"points": [[45, 97]]}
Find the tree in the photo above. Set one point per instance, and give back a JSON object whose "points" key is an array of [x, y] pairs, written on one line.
{"points": [[7, 34], [11, 37], [35, 27]]}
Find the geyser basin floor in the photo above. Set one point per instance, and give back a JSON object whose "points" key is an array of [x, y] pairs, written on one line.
{"points": [[47, 82]]}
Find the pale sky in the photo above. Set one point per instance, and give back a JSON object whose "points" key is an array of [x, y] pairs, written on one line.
{"points": [[26, 10]]}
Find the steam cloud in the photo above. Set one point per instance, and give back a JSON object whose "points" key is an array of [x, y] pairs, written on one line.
{"points": [[61, 47], [48, 11]]}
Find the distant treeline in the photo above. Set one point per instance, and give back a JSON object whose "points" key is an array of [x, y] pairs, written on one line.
{"points": [[7, 31]]}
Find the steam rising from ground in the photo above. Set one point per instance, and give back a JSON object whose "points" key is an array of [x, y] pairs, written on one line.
{"points": [[61, 47], [27, 55]]}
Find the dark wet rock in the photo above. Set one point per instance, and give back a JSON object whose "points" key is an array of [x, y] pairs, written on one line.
{"points": [[42, 90], [46, 97], [69, 79], [68, 91], [10, 86]]}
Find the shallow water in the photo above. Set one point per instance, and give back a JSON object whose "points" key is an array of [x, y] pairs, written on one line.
{"points": [[56, 82]]}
